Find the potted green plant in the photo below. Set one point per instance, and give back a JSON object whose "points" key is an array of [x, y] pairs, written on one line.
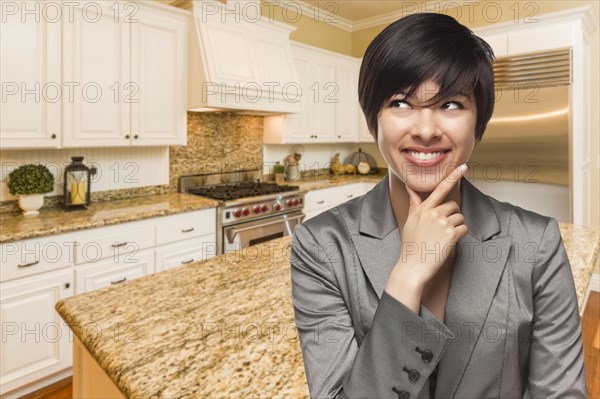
{"points": [[30, 183]]}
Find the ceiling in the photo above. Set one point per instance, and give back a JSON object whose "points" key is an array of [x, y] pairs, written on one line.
{"points": [[356, 10]]}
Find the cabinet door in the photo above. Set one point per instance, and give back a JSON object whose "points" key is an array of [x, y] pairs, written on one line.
{"points": [[346, 126], [114, 271], [298, 127], [35, 340], [96, 66], [30, 72], [159, 73], [324, 91]]}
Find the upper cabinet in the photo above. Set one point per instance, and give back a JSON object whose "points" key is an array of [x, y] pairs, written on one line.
{"points": [[121, 80], [239, 61], [330, 110], [30, 72]]}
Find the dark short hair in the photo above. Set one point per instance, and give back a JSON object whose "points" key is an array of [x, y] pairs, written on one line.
{"points": [[426, 46]]}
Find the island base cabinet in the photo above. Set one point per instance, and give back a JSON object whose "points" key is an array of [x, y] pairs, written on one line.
{"points": [[89, 380], [36, 342]]}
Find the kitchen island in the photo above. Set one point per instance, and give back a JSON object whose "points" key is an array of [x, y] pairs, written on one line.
{"points": [[221, 328]]}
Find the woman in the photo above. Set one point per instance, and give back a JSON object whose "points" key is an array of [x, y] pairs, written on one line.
{"points": [[425, 286]]}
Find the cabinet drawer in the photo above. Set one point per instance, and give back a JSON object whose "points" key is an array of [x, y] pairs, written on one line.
{"points": [[185, 252], [113, 241], [111, 271], [37, 255], [188, 225], [329, 197]]}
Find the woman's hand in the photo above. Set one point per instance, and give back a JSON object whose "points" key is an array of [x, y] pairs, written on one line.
{"points": [[429, 236]]}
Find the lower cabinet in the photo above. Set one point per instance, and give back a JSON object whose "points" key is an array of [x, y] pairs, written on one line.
{"points": [[113, 271], [185, 252], [319, 201], [36, 342]]}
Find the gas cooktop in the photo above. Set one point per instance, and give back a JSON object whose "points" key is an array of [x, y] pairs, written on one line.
{"points": [[230, 192]]}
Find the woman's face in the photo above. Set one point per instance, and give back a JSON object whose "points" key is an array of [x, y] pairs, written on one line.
{"points": [[422, 144]]}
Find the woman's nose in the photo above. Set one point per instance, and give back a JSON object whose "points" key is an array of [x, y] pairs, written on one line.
{"points": [[425, 125]]}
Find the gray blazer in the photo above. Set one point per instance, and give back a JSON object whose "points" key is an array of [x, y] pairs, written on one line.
{"points": [[511, 327]]}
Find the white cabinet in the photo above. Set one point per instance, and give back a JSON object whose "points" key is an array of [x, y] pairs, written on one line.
{"points": [[101, 74], [96, 50], [159, 66], [330, 109], [30, 72], [318, 201], [35, 340], [130, 66], [113, 270], [185, 252]]}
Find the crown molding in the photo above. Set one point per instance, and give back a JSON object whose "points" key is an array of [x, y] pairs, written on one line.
{"points": [[309, 10]]}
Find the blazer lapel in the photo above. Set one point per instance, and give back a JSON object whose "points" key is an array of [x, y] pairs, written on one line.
{"points": [[378, 242], [480, 261]]}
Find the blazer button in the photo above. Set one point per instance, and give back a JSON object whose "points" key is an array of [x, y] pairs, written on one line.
{"points": [[401, 394], [413, 375], [426, 355]]}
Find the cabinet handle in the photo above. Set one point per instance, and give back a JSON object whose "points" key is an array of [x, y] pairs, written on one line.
{"points": [[119, 281], [320, 202], [187, 230], [28, 264], [53, 136], [127, 137], [115, 245], [350, 196], [185, 262], [67, 285]]}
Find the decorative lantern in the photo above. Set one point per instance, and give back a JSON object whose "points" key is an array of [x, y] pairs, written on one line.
{"points": [[77, 184]]}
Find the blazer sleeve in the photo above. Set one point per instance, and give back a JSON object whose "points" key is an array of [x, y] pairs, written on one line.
{"points": [[395, 358], [556, 367]]}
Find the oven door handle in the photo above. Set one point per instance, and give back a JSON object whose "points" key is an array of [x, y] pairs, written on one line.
{"points": [[232, 232]]}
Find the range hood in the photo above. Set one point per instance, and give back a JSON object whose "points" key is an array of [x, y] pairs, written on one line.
{"points": [[527, 138], [239, 61]]}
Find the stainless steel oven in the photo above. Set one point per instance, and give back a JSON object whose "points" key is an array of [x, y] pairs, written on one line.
{"points": [[241, 235]]}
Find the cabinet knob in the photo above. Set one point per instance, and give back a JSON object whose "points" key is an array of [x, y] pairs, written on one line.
{"points": [[53, 136], [136, 136], [127, 137], [339, 136], [67, 285]]}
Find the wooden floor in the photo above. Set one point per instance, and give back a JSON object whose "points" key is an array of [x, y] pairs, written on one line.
{"points": [[591, 348]]}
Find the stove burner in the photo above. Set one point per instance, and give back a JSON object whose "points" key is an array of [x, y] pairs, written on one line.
{"points": [[228, 192]]}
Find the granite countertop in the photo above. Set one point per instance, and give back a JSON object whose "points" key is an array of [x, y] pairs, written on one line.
{"points": [[50, 221], [223, 328], [321, 181], [227, 329]]}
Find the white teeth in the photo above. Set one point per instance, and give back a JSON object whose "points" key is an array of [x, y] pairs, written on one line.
{"points": [[425, 156]]}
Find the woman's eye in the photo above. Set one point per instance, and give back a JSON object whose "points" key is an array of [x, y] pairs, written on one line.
{"points": [[400, 104], [452, 105]]}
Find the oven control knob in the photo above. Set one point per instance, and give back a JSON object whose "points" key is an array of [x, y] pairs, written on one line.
{"points": [[264, 208], [277, 207], [256, 209], [289, 202], [295, 202], [245, 211], [237, 213]]}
